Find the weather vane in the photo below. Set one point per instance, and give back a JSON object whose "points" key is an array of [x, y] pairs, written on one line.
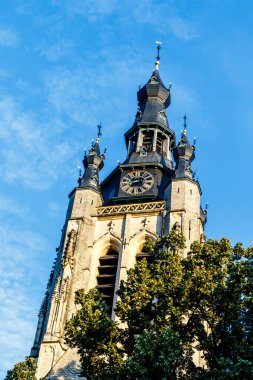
{"points": [[99, 130]]}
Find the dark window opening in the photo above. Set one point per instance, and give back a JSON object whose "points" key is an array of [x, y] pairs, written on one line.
{"points": [[143, 151], [133, 143], [149, 256], [147, 140], [159, 144], [107, 271]]}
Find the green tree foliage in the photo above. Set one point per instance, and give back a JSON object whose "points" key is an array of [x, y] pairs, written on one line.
{"points": [[156, 355], [23, 371], [168, 307], [96, 337]]}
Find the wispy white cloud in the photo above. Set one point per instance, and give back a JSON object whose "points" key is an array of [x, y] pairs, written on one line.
{"points": [[184, 98], [19, 268], [31, 151], [145, 12], [183, 29], [69, 93], [17, 325], [10, 206], [54, 209], [8, 37], [4, 74], [56, 51], [90, 9], [150, 13]]}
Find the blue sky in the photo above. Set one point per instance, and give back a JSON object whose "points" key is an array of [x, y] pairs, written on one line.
{"points": [[67, 66]]}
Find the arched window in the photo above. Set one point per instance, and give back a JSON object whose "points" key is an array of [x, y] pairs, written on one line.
{"points": [[144, 253], [106, 277]]}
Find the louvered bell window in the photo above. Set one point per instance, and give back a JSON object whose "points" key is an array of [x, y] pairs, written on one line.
{"points": [[106, 278]]}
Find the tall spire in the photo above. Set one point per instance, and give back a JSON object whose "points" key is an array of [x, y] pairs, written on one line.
{"points": [[151, 131], [154, 97], [93, 162]]}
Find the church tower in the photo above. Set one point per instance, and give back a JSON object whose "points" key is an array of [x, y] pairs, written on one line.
{"points": [[108, 223]]}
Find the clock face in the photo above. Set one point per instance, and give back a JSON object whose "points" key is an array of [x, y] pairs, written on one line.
{"points": [[136, 182]]}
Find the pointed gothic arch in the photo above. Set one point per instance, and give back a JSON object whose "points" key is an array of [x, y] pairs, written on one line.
{"points": [[136, 245], [108, 249]]}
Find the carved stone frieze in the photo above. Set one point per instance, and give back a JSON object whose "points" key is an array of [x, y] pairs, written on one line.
{"points": [[131, 208]]}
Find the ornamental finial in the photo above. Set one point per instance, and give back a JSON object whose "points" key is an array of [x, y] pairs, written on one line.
{"points": [[185, 124], [99, 127], [157, 62]]}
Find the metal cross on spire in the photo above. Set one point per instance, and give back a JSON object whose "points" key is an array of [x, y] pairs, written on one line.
{"points": [[99, 130], [158, 45]]}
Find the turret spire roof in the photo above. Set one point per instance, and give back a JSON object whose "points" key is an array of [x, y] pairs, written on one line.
{"points": [[154, 97], [93, 162], [184, 154]]}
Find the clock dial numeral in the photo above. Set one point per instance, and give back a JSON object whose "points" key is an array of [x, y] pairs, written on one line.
{"points": [[136, 182]]}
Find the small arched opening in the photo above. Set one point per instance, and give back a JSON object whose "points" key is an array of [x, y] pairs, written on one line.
{"points": [[144, 252]]}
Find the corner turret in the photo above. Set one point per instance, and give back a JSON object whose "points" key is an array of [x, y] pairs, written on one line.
{"points": [[93, 162], [184, 154]]}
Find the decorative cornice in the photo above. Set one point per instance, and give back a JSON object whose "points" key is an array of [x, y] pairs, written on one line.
{"points": [[133, 208]]}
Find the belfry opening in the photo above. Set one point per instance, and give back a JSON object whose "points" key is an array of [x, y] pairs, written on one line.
{"points": [[106, 278]]}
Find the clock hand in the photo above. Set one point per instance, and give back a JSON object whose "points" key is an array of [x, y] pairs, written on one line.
{"points": [[136, 181]]}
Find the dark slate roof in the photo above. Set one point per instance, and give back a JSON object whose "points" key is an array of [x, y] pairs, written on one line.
{"points": [[156, 77]]}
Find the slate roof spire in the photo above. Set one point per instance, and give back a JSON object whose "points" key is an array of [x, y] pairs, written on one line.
{"points": [[184, 154], [93, 162], [154, 97]]}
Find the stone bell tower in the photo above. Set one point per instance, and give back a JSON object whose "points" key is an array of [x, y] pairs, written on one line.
{"points": [[108, 223]]}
